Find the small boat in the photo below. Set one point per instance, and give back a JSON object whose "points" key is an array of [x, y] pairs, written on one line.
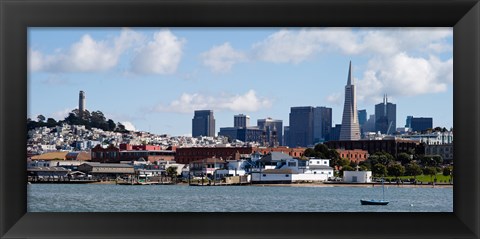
{"points": [[373, 202], [376, 202]]}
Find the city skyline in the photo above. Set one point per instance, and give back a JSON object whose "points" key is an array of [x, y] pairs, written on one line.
{"points": [[155, 78]]}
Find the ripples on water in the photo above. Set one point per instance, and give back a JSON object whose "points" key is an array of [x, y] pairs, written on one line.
{"points": [[176, 198]]}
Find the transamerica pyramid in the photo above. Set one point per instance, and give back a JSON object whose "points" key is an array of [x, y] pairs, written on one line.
{"points": [[350, 129]]}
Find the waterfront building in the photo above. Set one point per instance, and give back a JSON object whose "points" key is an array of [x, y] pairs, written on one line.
{"points": [[57, 155], [207, 167], [187, 155], [272, 130], [433, 138], [301, 126], [420, 124], [292, 152], [444, 150], [107, 170], [350, 129], [290, 170], [203, 123], [241, 121], [354, 155], [386, 117], [113, 154], [392, 146], [322, 124], [357, 176]]}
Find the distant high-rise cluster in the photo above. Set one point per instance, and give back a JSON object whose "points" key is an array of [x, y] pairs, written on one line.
{"points": [[350, 129], [268, 131], [203, 123], [386, 117], [309, 125]]}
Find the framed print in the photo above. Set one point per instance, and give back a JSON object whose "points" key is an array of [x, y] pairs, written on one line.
{"points": [[23, 23]]}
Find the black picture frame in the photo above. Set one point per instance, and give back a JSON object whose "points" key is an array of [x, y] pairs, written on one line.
{"points": [[16, 16]]}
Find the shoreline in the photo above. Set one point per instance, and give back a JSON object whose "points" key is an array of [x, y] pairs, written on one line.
{"points": [[318, 184], [369, 185]]}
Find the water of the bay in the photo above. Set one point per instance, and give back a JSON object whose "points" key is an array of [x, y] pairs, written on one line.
{"points": [[180, 198]]}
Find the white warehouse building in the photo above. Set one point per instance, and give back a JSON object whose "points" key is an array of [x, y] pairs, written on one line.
{"points": [[357, 176]]}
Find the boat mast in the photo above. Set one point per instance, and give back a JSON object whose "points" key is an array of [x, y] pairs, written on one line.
{"points": [[383, 189]]}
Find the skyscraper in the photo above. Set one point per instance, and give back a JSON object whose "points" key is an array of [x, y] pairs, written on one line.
{"points": [[301, 126], [322, 124], [272, 129], [362, 119], [81, 103], [203, 123], [420, 124], [350, 129], [241, 121], [385, 117]]}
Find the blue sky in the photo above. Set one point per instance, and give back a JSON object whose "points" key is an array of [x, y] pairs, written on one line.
{"points": [[152, 79]]}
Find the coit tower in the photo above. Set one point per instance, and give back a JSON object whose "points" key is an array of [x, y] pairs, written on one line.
{"points": [[81, 103], [350, 129]]}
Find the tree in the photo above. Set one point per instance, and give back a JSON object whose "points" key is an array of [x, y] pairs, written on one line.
{"points": [[40, 118], [51, 122], [309, 153], [432, 171], [172, 173], [379, 170], [343, 162], [447, 171], [412, 169], [431, 160], [404, 158], [111, 125], [396, 170], [345, 168], [365, 165]]}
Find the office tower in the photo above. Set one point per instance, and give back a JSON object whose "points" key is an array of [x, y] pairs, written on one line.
{"points": [[241, 121], [272, 128], [286, 135], [350, 129], [385, 117], [203, 123], [369, 126], [362, 120], [408, 122], [335, 132], [81, 103], [421, 124], [362, 117], [322, 124], [301, 126]]}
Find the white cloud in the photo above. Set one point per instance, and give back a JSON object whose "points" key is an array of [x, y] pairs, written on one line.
{"points": [[128, 125], [403, 75], [335, 99], [187, 103], [221, 58], [62, 114], [288, 46], [160, 55], [86, 55]]}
